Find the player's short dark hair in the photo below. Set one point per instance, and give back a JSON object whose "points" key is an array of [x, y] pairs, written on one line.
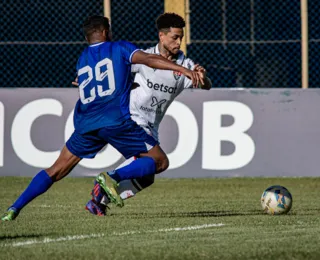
{"points": [[167, 20], [95, 23]]}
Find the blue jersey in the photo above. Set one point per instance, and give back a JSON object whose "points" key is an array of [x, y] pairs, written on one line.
{"points": [[104, 77]]}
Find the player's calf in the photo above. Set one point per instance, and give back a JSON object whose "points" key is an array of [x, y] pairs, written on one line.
{"points": [[129, 188]]}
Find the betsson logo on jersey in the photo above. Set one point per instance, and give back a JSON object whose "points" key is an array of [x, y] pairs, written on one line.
{"points": [[161, 87]]}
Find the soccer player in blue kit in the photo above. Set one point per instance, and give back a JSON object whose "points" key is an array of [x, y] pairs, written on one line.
{"points": [[102, 116], [152, 93]]}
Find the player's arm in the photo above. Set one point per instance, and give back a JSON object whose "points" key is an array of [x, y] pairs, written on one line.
{"points": [[207, 84], [158, 62]]}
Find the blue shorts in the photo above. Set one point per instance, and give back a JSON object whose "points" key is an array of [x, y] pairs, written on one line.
{"points": [[128, 138]]}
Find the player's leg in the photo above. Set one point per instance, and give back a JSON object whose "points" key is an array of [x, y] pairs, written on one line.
{"points": [[133, 141], [129, 188], [126, 181], [42, 182], [77, 147], [126, 189], [63, 165], [129, 182], [159, 156]]}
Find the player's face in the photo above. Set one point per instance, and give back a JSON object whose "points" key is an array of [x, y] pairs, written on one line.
{"points": [[171, 41]]}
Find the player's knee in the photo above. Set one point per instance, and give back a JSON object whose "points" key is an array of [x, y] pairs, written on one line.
{"points": [[162, 164], [63, 165], [165, 164], [56, 172], [52, 172]]}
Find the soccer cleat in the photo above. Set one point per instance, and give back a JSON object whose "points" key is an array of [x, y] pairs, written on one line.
{"points": [[95, 208], [10, 215], [98, 194], [109, 186]]}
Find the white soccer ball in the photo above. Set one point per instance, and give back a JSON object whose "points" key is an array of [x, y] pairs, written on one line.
{"points": [[276, 200]]}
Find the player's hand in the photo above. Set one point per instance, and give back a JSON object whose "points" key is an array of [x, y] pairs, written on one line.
{"points": [[200, 69], [202, 73], [194, 76], [75, 82]]}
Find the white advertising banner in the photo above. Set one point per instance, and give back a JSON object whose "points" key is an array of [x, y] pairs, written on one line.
{"points": [[215, 133]]}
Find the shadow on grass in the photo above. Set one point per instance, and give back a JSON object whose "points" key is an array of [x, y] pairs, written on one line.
{"points": [[212, 214], [194, 214], [8, 237]]}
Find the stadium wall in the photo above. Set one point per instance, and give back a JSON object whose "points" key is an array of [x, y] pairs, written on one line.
{"points": [[215, 133]]}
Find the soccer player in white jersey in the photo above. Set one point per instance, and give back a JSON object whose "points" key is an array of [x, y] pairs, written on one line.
{"points": [[152, 93]]}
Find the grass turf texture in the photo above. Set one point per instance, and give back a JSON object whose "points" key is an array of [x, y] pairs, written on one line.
{"points": [[169, 203]]}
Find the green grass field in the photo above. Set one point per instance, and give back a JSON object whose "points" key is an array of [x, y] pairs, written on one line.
{"points": [[173, 219]]}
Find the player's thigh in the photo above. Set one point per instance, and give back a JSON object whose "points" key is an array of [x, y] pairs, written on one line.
{"points": [[85, 145], [129, 139], [77, 147]]}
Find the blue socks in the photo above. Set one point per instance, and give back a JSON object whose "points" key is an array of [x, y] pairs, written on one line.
{"points": [[39, 184], [138, 168], [42, 182]]}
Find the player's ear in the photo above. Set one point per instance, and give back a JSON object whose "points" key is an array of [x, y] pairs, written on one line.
{"points": [[104, 33], [161, 34]]}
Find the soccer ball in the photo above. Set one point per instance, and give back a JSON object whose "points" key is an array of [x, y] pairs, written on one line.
{"points": [[276, 200]]}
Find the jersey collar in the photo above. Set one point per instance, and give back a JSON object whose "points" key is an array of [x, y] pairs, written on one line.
{"points": [[96, 44]]}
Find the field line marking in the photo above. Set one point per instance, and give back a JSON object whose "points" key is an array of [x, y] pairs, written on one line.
{"points": [[79, 237]]}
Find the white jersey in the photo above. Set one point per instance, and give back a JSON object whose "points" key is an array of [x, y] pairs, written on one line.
{"points": [[156, 91]]}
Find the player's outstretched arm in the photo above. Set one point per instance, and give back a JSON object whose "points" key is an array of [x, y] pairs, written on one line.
{"points": [[158, 62]]}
